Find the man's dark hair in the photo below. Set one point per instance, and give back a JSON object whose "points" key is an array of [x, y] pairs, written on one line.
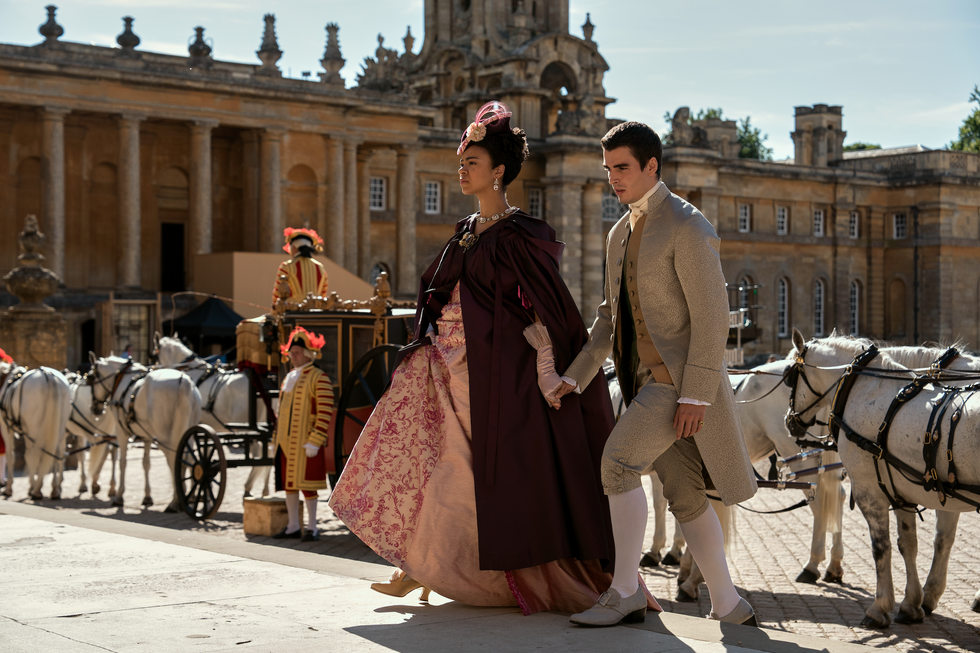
{"points": [[643, 142]]}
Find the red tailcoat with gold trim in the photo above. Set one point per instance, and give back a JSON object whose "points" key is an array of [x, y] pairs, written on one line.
{"points": [[304, 416]]}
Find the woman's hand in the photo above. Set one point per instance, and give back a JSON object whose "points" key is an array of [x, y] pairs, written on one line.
{"points": [[548, 380]]}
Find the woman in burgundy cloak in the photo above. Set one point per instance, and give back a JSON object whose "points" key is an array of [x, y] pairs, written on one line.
{"points": [[469, 476]]}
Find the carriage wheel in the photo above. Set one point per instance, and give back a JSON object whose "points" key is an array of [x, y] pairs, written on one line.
{"points": [[360, 394], [200, 472]]}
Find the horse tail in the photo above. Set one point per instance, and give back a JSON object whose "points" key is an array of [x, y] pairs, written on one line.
{"points": [[830, 495], [187, 405]]}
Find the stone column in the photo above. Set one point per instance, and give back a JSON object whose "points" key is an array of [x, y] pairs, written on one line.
{"points": [[334, 236], [201, 186], [564, 202], [363, 213], [593, 249], [53, 179], [351, 209], [270, 201], [250, 192], [130, 216], [405, 249]]}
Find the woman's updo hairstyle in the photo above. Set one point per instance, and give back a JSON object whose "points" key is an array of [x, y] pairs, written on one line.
{"points": [[491, 130]]}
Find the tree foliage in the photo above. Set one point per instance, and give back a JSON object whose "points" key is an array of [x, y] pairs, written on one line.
{"points": [[858, 146], [751, 139], [969, 140]]}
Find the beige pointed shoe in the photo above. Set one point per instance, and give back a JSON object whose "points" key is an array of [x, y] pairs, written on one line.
{"points": [[611, 609], [742, 614]]}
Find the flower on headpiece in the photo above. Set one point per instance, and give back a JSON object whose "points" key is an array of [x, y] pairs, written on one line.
{"points": [[491, 118], [476, 132], [5, 357], [291, 234]]}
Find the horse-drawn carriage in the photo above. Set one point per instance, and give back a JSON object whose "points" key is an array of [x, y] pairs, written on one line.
{"points": [[362, 338]]}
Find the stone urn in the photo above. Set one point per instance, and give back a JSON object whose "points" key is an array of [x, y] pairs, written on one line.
{"points": [[30, 282]]}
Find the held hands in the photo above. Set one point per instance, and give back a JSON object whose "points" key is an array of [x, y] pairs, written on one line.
{"points": [[688, 420], [548, 380], [564, 389], [310, 449]]}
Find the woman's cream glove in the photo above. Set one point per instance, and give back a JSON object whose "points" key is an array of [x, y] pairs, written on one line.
{"points": [[311, 449], [548, 379]]}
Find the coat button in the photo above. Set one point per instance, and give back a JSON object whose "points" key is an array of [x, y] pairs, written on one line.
{"points": [[623, 243], [633, 292], [610, 337], [631, 264], [636, 308], [614, 300], [629, 278], [619, 262], [639, 335], [639, 321], [617, 280]]}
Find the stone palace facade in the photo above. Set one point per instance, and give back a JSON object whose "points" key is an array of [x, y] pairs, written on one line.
{"points": [[138, 163]]}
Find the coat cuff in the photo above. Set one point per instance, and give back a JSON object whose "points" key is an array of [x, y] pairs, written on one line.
{"points": [[700, 383], [582, 370], [317, 438]]}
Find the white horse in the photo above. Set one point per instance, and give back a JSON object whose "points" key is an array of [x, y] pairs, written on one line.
{"points": [[819, 372], [226, 397], [35, 404], [98, 432], [156, 406]]}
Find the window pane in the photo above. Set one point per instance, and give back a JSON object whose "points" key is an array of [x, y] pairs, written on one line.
{"points": [[534, 203], [853, 227], [377, 193], [818, 308], [782, 219], [818, 222], [744, 218], [899, 225], [433, 197], [612, 208]]}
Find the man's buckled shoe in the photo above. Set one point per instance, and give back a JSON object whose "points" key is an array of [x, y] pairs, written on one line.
{"points": [[611, 609]]}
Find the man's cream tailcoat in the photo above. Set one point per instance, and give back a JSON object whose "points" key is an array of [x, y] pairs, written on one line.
{"points": [[682, 295]]}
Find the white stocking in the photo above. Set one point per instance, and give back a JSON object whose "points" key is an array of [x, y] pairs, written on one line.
{"points": [[3, 469], [292, 509], [311, 515], [707, 544], [629, 522]]}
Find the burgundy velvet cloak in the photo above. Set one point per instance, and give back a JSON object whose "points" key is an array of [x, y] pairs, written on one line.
{"points": [[538, 491]]}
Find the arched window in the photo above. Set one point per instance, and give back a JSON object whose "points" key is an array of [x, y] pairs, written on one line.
{"points": [[855, 306], [612, 208], [782, 308], [818, 307]]}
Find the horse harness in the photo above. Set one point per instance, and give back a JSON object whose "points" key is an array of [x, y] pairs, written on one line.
{"points": [[9, 382], [130, 392], [878, 448]]}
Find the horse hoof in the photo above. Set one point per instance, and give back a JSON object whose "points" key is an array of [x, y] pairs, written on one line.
{"points": [[868, 622], [247, 494], [927, 609], [171, 508], [117, 501], [55, 497], [669, 560], [684, 597], [807, 576], [650, 560], [95, 488], [975, 606], [111, 493], [906, 618], [82, 489], [36, 497], [147, 502], [833, 578]]}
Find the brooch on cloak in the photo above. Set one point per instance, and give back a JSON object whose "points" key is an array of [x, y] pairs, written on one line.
{"points": [[468, 240]]}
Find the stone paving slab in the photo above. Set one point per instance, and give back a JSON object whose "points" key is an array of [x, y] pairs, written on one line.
{"points": [[770, 550], [219, 602]]}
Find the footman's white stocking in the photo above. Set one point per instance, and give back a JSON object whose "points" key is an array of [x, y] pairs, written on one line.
{"points": [[628, 512], [311, 513], [707, 544], [292, 509]]}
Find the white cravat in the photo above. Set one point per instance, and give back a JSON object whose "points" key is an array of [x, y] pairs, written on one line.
{"points": [[639, 208], [292, 377]]}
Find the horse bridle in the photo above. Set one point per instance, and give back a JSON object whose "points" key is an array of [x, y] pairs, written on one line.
{"points": [[794, 418], [91, 378]]}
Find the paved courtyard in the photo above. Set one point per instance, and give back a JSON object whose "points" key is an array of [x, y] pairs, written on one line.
{"points": [[770, 550]]}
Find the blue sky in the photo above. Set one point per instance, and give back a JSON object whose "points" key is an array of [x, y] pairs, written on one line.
{"points": [[903, 71]]}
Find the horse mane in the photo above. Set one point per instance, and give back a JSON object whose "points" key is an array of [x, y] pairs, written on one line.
{"points": [[168, 341]]}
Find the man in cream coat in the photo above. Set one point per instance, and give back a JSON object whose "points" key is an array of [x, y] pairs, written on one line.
{"points": [[665, 321]]}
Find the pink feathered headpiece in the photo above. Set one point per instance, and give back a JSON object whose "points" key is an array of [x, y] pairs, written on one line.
{"points": [[291, 234], [493, 117]]}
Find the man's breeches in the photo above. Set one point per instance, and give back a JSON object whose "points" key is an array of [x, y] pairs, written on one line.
{"points": [[645, 440]]}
